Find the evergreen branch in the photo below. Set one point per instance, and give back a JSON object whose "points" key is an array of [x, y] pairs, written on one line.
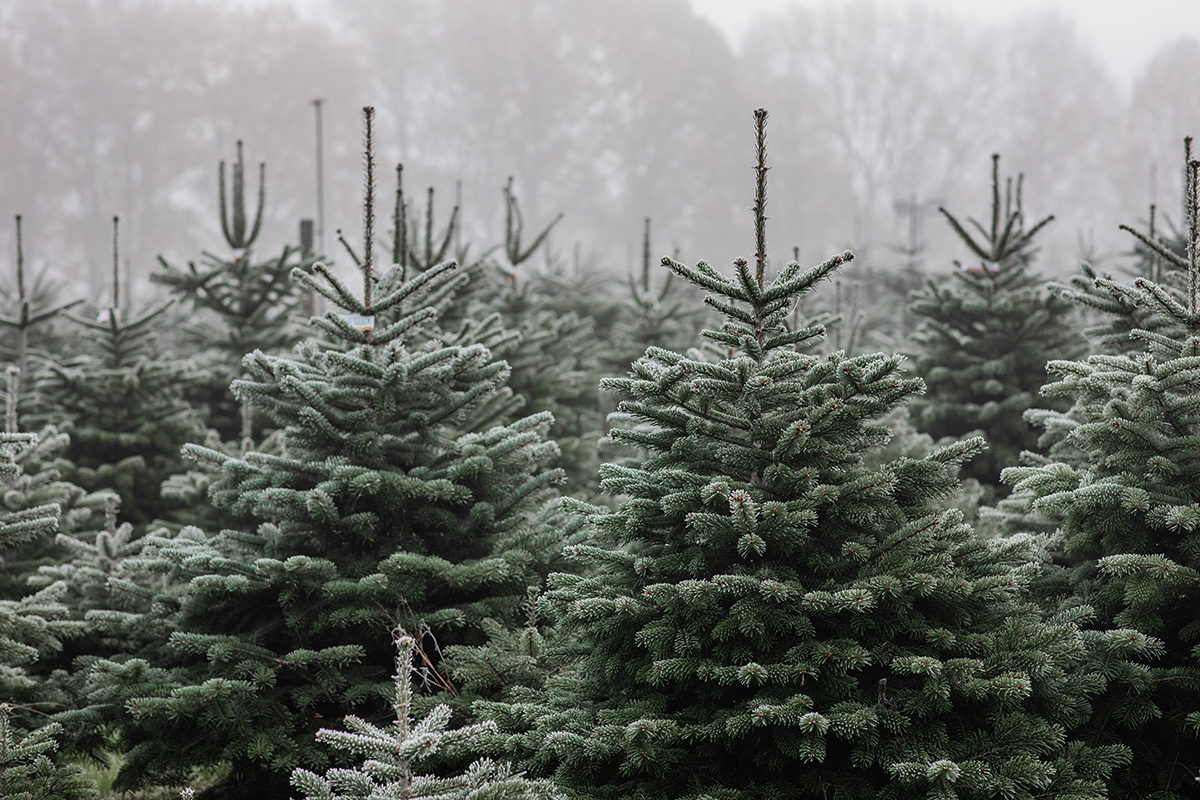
{"points": [[336, 291], [1158, 247], [962, 233]]}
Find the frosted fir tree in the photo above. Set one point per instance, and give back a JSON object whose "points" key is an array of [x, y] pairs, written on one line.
{"points": [[1160, 257], [390, 754], [555, 361], [31, 627], [29, 310], [237, 304], [984, 338], [38, 482], [1127, 507], [653, 315], [383, 504], [121, 402], [763, 615]]}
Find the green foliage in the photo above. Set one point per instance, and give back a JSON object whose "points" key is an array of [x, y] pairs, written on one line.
{"points": [[121, 403], [30, 627], [236, 305], [985, 339], [390, 753], [764, 614], [1127, 504], [38, 483], [383, 503], [26, 771]]}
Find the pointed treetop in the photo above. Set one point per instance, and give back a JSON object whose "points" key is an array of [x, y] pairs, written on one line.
{"points": [[368, 202], [1190, 260], [116, 268], [20, 263], [1007, 241], [646, 258], [762, 327], [760, 196], [234, 227], [514, 226]]}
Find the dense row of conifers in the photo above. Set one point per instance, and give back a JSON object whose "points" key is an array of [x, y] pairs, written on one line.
{"points": [[766, 562]]}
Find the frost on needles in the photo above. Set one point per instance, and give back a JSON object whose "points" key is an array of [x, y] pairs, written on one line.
{"points": [[762, 615]]}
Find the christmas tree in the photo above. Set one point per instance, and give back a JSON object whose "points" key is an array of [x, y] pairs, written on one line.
{"points": [[121, 402], [1127, 506], [30, 627], [26, 314], [655, 315], [38, 482], [985, 339], [764, 615], [238, 305], [391, 752], [384, 505]]}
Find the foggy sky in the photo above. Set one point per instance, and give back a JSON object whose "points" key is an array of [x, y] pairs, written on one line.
{"points": [[1126, 33]]}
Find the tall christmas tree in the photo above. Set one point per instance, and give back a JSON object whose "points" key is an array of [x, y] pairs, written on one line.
{"points": [[985, 338], [385, 505], [764, 615], [1128, 509]]}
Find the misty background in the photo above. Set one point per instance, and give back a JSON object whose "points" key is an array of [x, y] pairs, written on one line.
{"points": [[608, 111]]}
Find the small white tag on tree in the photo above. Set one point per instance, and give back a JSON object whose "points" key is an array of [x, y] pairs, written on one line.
{"points": [[360, 321], [108, 315]]}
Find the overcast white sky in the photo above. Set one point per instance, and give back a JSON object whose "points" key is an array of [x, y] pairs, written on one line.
{"points": [[1125, 32]]}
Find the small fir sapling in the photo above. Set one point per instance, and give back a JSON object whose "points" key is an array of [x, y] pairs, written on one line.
{"points": [[1127, 508], [765, 615], [985, 338], [390, 754], [383, 502]]}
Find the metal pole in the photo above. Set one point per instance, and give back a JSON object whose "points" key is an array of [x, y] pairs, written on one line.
{"points": [[317, 103]]}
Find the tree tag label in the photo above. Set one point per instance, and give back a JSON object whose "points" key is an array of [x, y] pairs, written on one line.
{"points": [[108, 315], [360, 321], [980, 266]]}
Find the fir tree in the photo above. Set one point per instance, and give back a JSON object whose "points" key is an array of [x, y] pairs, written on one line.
{"points": [[1127, 505], [30, 627], [385, 504], [27, 311], [986, 338], [238, 305], [121, 403], [26, 769], [655, 316], [764, 615], [390, 754], [1116, 318], [38, 482]]}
